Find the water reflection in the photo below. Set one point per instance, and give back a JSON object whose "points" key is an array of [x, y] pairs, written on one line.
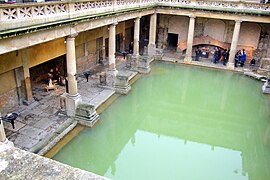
{"points": [[179, 123], [171, 158]]}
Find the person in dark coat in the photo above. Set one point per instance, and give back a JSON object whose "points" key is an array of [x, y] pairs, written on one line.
{"points": [[243, 58], [197, 53]]}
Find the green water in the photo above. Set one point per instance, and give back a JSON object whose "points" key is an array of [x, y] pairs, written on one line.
{"points": [[179, 123]]}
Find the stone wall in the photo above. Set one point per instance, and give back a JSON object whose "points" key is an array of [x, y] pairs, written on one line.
{"points": [[8, 101], [208, 31]]}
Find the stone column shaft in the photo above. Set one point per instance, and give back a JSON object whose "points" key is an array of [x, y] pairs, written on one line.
{"points": [[136, 47], [27, 81], [112, 47], [2, 132], [188, 57], [105, 30], [234, 43], [152, 35], [152, 31], [71, 66]]}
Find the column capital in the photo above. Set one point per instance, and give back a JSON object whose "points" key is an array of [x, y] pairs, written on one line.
{"points": [[114, 24], [238, 21], [192, 16], [72, 35]]}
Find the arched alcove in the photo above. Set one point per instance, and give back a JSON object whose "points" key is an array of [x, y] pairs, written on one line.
{"points": [[249, 34], [215, 28]]}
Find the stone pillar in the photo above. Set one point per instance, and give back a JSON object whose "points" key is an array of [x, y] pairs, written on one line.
{"points": [[152, 35], [234, 43], [105, 30], [136, 46], [188, 57], [124, 37], [19, 78], [3, 138], [27, 81], [73, 99], [112, 47], [2, 132]]}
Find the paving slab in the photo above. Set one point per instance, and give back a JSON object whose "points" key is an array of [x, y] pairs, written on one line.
{"points": [[23, 141], [43, 123], [101, 97], [18, 126], [30, 131]]}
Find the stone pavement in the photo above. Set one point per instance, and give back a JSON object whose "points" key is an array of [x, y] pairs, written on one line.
{"points": [[42, 121]]}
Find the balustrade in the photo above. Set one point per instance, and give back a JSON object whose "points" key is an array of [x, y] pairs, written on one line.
{"points": [[63, 10]]}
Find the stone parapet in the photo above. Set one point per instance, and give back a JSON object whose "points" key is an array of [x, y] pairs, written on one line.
{"points": [[18, 164], [23, 16]]}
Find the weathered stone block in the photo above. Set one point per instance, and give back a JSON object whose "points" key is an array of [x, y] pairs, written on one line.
{"points": [[144, 64], [86, 115], [121, 83]]}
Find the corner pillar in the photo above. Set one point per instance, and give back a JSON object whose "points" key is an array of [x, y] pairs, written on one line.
{"points": [[188, 57], [234, 43]]}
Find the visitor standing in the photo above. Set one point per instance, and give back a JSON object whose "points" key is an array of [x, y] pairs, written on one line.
{"points": [[243, 58], [219, 54], [223, 57], [197, 53]]}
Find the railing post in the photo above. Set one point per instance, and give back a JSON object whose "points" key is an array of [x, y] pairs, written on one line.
{"points": [[114, 4], [71, 8]]}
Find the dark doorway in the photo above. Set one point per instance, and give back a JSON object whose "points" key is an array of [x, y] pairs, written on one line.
{"points": [[39, 73], [172, 41], [107, 47], [118, 43]]}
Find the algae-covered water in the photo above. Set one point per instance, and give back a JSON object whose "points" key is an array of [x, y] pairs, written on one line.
{"points": [[179, 122]]}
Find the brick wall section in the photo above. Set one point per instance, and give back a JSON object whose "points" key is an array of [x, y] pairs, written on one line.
{"points": [[86, 62], [9, 101]]}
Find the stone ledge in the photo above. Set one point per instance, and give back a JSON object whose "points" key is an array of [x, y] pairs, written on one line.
{"points": [[18, 164]]}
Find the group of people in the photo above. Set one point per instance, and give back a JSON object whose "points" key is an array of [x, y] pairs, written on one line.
{"points": [[240, 58], [54, 77], [219, 55]]}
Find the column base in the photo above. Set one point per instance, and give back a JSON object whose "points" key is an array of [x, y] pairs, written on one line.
{"points": [[230, 65], [188, 60], [151, 51], [70, 103], [144, 70], [8, 142], [122, 89], [266, 88], [112, 71]]}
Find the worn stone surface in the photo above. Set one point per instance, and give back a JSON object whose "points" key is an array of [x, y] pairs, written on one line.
{"points": [[19, 164], [86, 115], [144, 64]]}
